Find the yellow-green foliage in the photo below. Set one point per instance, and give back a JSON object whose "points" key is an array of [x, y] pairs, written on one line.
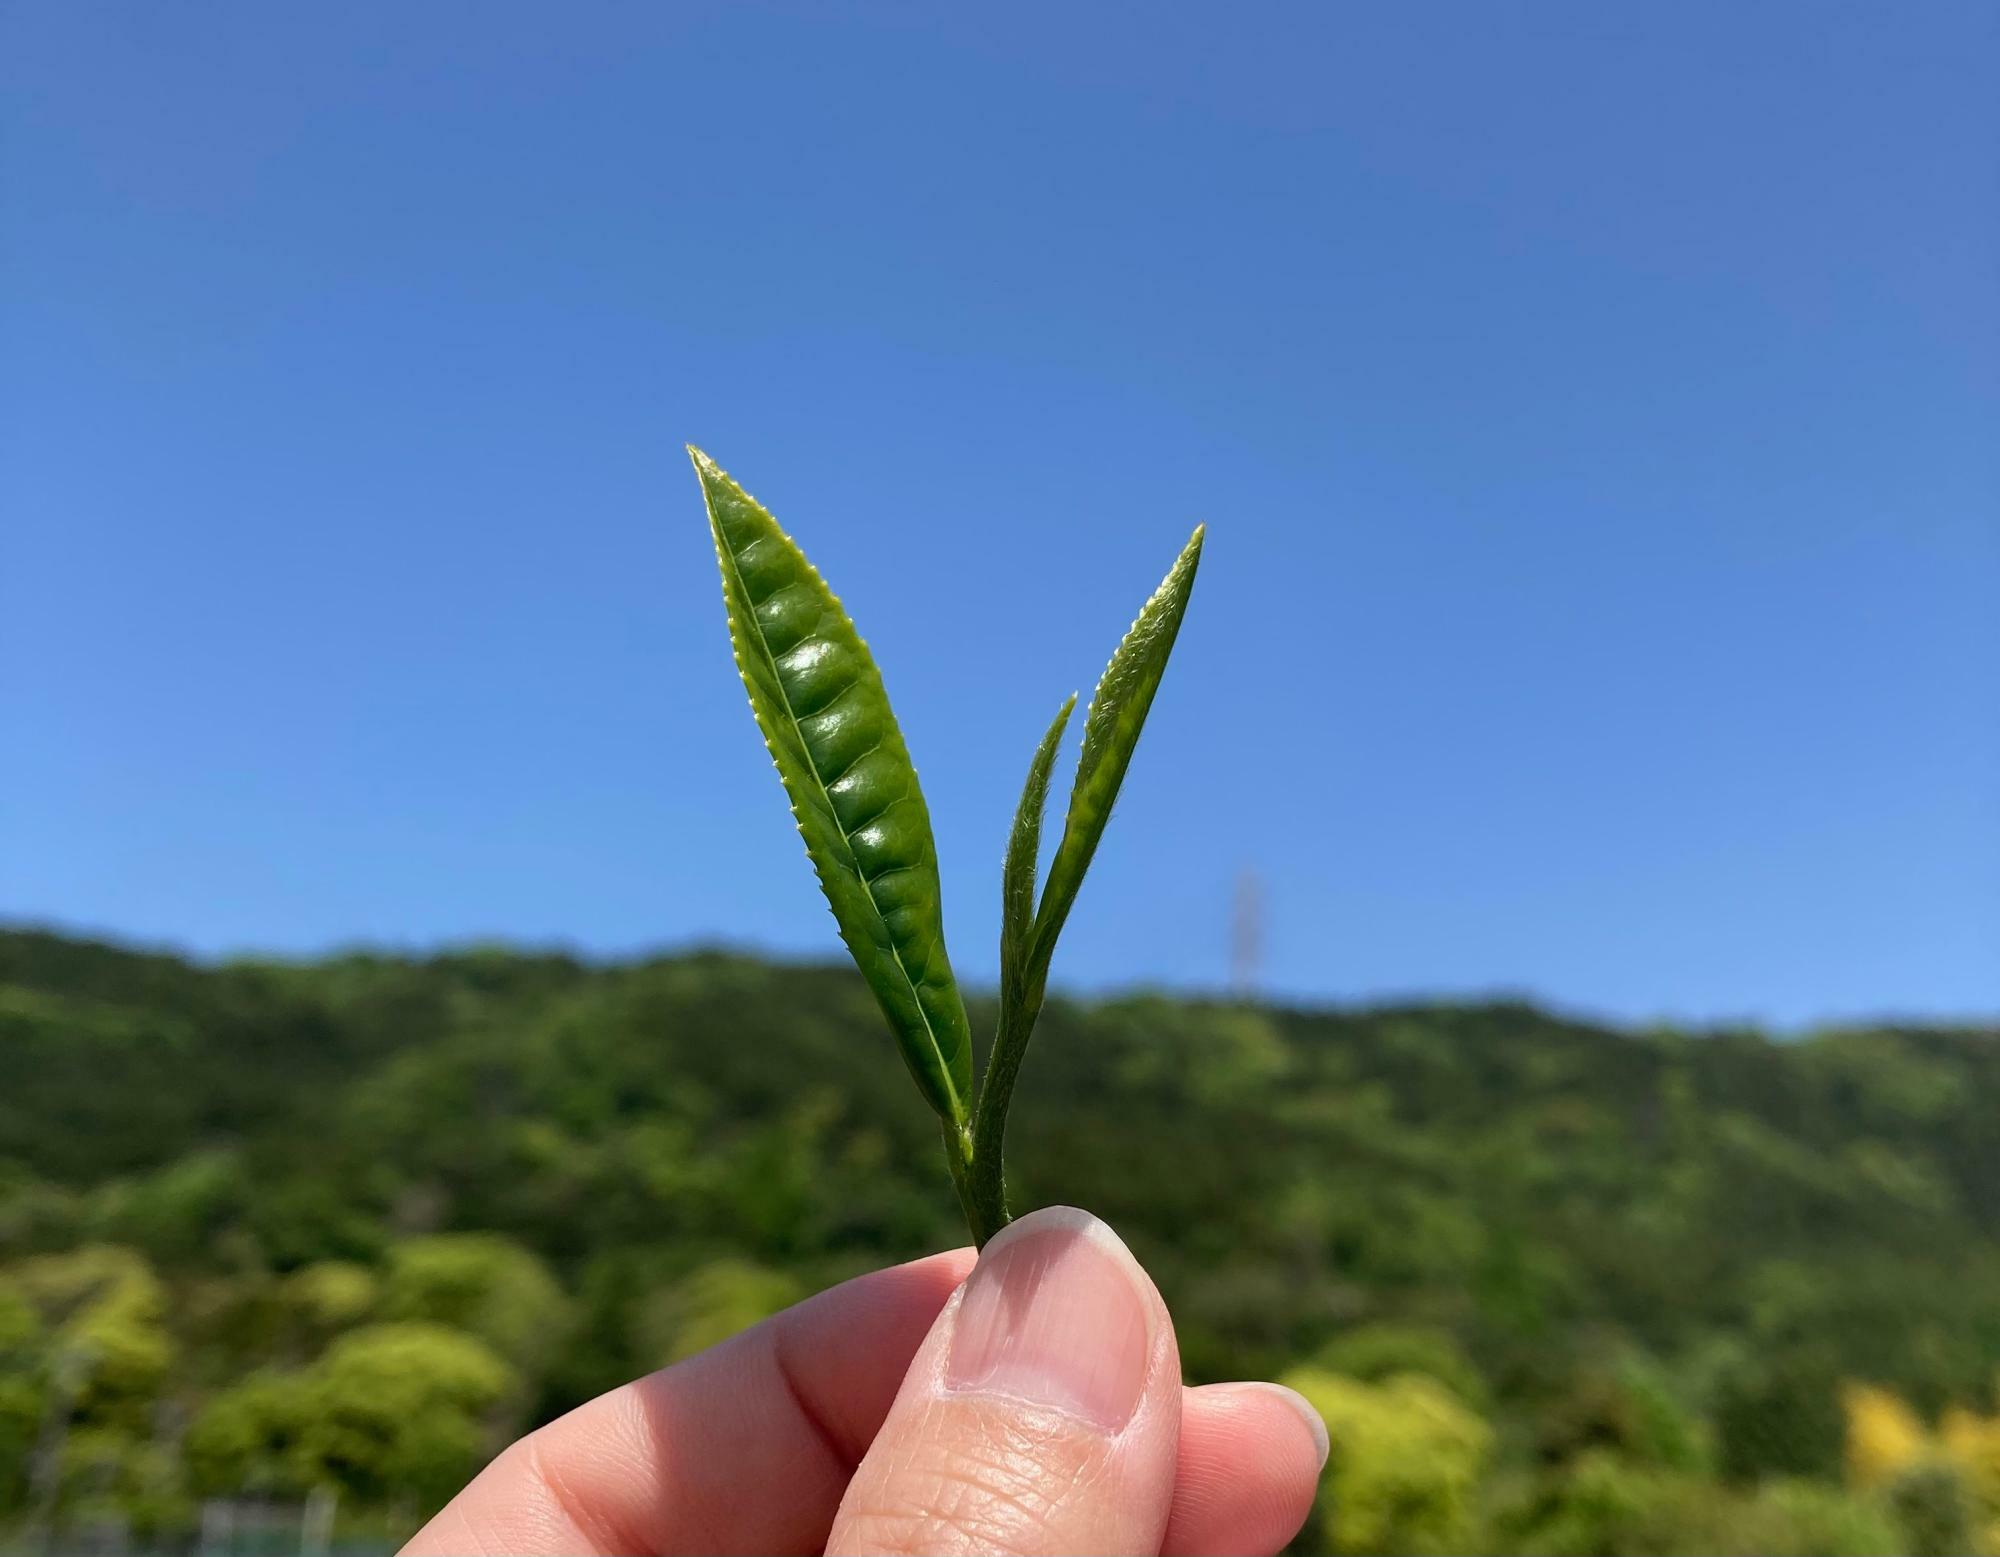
{"points": [[332, 1295], [109, 1474], [21, 1389], [1945, 1484], [1972, 1443], [105, 1312], [20, 1326], [391, 1411], [1406, 1462], [1884, 1436], [248, 1439], [405, 1407], [714, 1303], [1374, 1352], [1603, 1505], [487, 1286], [1805, 1519]]}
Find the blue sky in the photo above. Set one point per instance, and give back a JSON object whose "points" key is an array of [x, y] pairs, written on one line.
{"points": [[1593, 410]]}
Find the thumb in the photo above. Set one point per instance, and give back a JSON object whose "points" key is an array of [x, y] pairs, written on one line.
{"points": [[1041, 1414]]}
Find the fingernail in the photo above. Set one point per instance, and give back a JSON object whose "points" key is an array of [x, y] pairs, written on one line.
{"points": [[1308, 1414], [1056, 1313]]}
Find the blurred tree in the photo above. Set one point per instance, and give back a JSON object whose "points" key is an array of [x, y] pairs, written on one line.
{"points": [[331, 1296], [1805, 1519], [1779, 1416], [1971, 1442], [250, 1439], [23, 1391], [1624, 1403], [1884, 1436], [104, 1313], [1379, 1351], [126, 1484], [1945, 1486], [402, 1411], [484, 1285], [1934, 1507], [1604, 1506], [176, 1213], [711, 1304], [1407, 1456]]}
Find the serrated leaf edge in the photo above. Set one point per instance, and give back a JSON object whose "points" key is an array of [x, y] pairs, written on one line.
{"points": [[704, 466], [1184, 566]]}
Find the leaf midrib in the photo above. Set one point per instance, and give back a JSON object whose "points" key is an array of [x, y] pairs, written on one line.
{"points": [[853, 863]]}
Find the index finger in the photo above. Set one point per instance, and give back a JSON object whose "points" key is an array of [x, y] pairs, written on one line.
{"points": [[745, 1448]]}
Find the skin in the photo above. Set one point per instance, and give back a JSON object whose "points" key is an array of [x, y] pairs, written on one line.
{"points": [[868, 1419]]}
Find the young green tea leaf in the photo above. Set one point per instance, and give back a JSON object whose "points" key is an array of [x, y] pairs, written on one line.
{"points": [[1110, 731], [827, 724], [1017, 876]]}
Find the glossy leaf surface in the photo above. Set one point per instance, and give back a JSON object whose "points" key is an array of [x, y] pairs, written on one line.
{"points": [[1117, 714], [827, 723]]}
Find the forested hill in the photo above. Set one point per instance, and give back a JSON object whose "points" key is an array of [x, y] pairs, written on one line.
{"points": [[1658, 1256]]}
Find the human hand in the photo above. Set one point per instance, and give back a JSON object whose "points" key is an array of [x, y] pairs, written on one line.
{"points": [[1029, 1404]]}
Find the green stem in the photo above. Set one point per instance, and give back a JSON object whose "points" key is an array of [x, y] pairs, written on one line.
{"points": [[986, 1207], [984, 1218]]}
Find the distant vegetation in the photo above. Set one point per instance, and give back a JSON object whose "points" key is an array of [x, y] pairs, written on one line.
{"points": [[334, 1231]]}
